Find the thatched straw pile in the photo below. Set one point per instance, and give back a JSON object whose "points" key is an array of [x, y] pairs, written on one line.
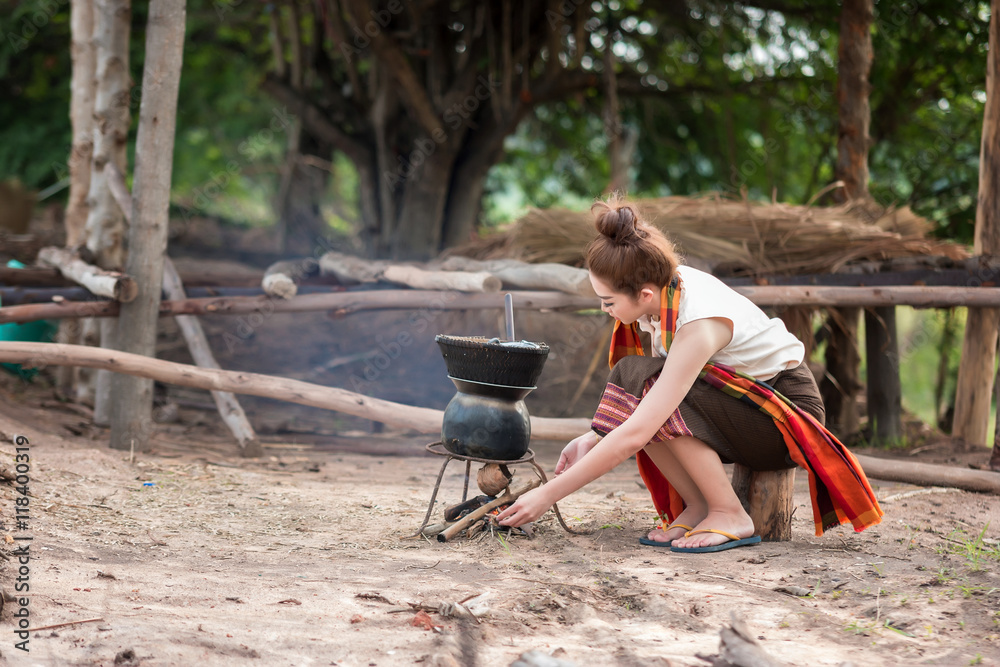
{"points": [[733, 236]]}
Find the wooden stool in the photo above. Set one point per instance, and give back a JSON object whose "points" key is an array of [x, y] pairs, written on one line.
{"points": [[767, 498]]}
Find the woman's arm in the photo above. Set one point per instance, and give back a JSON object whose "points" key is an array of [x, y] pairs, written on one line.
{"points": [[575, 450], [693, 345]]}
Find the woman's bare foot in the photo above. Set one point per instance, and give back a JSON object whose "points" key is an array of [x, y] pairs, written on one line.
{"points": [[689, 517], [736, 523]]}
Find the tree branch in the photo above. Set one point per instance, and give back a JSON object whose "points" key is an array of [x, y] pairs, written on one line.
{"points": [[314, 120], [395, 61]]}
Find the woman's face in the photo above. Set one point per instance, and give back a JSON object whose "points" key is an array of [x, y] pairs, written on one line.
{"points": [[622, 306]]}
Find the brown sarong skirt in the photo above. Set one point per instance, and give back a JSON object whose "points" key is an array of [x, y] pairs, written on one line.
{"points": [[738, 432]]}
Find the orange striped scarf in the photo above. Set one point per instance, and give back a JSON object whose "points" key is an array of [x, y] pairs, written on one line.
{"points": [[837, 485]]}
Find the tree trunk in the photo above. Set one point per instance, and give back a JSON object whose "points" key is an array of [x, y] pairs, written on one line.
{"points": [[799, 322], [131, 419], [944, 404], [975, 373], [468, 182], [173, 288], [618, 180], [853, 111], [368, 193], [83, 89], [885, 406], [89, 333], [105, 224], [423, 198], [842, 382], [465, 199], [384, 106], [105, 227], [302, 223]]}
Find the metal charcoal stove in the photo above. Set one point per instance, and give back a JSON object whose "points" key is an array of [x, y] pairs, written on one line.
{"points": [[487, 421]]}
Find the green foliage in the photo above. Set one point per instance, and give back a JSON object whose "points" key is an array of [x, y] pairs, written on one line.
{"points": [[231, 138], [721, 96], [928, 95], [976, 551], [227, 151], [34, 87], [744, 99]]}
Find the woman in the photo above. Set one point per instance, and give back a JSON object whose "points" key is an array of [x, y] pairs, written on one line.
{"points": [[733, 388]]}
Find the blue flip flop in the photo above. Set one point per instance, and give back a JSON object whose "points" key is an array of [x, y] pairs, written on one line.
{"points": [[654, 543], [733, 542]]}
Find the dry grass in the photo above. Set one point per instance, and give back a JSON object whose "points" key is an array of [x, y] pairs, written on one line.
{"points": [[734, 235]]}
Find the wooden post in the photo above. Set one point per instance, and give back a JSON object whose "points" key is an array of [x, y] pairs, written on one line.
{"points": [[83, 90], [842, 383], [83, 86], [885, 406], [988, 208], [854, 55], [229, 408], [767, 498], [105, 226], [975, 372], [131, 415]]}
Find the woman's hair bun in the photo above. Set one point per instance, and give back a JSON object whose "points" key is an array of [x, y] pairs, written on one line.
{"points": [[617, 222]]}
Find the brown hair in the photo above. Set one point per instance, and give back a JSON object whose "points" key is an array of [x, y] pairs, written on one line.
{"points": [[629, 252]]}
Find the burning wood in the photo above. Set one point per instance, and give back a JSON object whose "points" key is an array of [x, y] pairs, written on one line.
{"points": [[469, 519]]}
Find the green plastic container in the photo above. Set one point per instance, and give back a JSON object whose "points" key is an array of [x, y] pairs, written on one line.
{"points": [[37, 332]]}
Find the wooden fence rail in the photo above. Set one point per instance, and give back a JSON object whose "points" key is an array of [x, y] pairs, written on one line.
{"points": [[421, 420], [382, 299]]}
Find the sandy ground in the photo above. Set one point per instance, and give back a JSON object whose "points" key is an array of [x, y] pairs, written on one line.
{"points": [[189, 555]]}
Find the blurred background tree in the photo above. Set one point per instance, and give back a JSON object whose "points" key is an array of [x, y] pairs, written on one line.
{"points": [[321, 116]]}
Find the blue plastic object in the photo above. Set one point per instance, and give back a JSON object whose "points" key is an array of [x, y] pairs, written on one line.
{"points": [[37, 332]]}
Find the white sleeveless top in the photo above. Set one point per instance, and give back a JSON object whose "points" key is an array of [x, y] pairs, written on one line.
{"points": [[760, 347]]}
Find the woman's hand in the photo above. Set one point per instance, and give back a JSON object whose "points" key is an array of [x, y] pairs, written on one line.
{"points": [[526, 509], [575, 450], [536, 502]]}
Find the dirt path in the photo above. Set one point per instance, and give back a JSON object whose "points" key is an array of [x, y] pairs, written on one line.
{"points": [[191, 556]]}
